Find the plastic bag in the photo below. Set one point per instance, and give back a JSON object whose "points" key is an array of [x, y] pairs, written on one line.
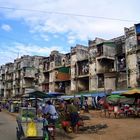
{"points": [[31, 129]]}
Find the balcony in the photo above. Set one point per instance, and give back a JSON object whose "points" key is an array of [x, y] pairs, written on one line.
{"points": [[62, 76], [105, 55], [83, 72], [106, 50], [105, 66], [25, 63], [82, 68], [27, 75]]}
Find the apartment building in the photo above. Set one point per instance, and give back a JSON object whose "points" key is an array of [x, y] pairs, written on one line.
{"points": [[102, 65], [79, 68], [18, 77], [2, 80], [103, 54], [132, 47], [56, 73]]}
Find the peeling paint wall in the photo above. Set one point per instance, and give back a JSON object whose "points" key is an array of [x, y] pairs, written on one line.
{"points": [[73, 85], [131, 56], [51, 87], [110, 81], [73, 70], [92, 76], [108, 51], [132, 67]]}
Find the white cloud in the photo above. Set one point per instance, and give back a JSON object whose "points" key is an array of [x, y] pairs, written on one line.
{"points": [[7, 56], [82, 28], [71, 39], [34, 49], [10, 53], [74, 28], [6, 27], [45, 37]]}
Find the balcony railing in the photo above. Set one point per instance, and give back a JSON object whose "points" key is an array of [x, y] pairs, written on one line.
{"points": [[105, 54], [62, 76]]}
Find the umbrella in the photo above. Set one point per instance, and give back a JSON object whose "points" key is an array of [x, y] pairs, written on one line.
{"points": [[132, 93], [114, 98], [32, 99]]}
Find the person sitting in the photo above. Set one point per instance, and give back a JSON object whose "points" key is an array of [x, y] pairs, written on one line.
{"points": [[50, 113], [126, 109]]}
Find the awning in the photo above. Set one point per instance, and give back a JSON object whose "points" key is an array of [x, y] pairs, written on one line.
{"points": [[36, 94], [55, 93], [132, 93]]}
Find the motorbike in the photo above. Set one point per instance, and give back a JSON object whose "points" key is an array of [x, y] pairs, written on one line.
{"points": [[49, 130], [66, 125]]}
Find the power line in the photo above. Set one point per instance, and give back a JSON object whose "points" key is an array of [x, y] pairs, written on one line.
{"points": [[68, 14]]}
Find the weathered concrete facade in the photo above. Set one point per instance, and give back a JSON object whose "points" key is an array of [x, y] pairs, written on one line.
{"points": [[102, 65], [79, 68], [132, 54]]}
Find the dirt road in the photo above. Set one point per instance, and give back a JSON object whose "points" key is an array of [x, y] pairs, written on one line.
{"points": [[118, 129]]}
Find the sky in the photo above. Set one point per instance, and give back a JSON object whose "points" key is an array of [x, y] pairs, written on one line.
{"points": [[37, 27]]}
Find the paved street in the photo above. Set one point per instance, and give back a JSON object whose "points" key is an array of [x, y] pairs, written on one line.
{"points": [[7, 127]]}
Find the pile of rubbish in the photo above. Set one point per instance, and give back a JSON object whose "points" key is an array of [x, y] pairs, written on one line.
{"points": [[92, 129]]}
